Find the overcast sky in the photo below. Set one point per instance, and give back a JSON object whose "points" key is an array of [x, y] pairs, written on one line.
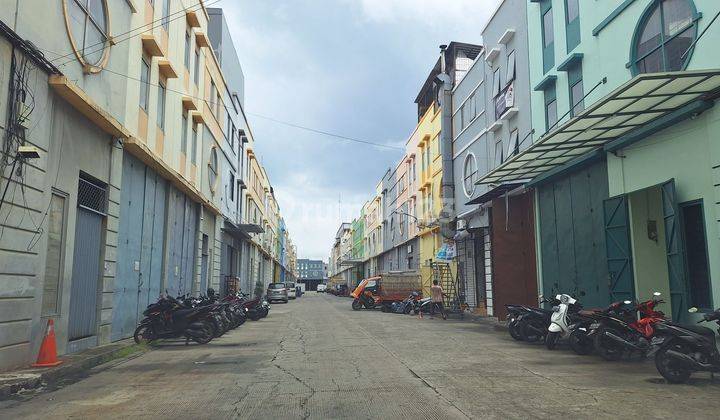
{"points": [[352, 67]]}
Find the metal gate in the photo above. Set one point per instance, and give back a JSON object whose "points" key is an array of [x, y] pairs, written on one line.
{"points": [[183, 225], [86, 275], [140, 245], [621, 281], [674, 248]]}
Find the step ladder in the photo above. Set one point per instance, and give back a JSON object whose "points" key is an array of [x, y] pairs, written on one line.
{"points": [[443, 274]]}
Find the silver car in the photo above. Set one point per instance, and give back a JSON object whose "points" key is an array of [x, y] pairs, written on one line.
{"points": [[277, 291]]}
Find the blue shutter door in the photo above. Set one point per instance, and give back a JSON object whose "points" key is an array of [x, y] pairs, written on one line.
{"points": [[674, 249], [619, 251]]}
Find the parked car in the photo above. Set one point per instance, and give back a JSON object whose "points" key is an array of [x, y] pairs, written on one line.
{"points": [[292, 293], [277, 291], [321, 288]]}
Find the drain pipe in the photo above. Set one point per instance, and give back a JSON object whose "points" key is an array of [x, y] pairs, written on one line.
{"points": [[447, 186]]}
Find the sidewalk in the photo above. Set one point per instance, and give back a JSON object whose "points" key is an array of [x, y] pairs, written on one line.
{"points": [[73, 365]]}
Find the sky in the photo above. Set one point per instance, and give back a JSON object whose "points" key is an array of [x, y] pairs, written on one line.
{"points": [[350, 67]]}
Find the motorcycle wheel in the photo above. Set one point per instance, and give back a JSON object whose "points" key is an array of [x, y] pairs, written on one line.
{"points": [[144, 334], [216, 328], [514, 331], [580, 343], [203, 336], [370, 303], [606, 348], [529, 331], [254, 316], [408, 309], [551, 340], [669, 368], [264, 313], [356, 305]]}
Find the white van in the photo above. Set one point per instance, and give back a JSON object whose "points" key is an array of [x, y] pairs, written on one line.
{"points": [[321, 288]]}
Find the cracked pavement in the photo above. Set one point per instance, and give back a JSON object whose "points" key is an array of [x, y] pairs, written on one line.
{"points": [[316, 358]]}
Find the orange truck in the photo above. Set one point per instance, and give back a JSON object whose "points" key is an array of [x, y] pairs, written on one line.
{"points": [[383, 290]]}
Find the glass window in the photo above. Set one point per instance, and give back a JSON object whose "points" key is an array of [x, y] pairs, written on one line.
{"points": [[576, 95], [496, 82], [188, 45], [193, 146], [161, 105], [573, 10], [548, 32], [550, 107], [499, 157], [183, 138], [165, 15], [513, 146], [144, 87], [666, 32], [196, 70], [510, 67], [469, 174], [88, 28]]}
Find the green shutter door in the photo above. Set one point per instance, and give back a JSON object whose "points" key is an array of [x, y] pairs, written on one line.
{"points": [[674, 248], [619, 251]]}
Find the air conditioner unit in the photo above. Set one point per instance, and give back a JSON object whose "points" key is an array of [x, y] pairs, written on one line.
{"points": [[461, 224]]}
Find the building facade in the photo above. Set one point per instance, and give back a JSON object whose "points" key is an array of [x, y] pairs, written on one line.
{"points": [[135, 180]]}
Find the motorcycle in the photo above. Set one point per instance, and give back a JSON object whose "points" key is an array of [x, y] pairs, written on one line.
{"points": [[406, 306], [687, 349], [532, 323], [254, 308], [578, 339], [560, 320], [514, 313], [616, 334], [169, 318]]}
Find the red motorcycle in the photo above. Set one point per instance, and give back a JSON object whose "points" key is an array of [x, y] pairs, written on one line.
{"points": [[615, 334]]}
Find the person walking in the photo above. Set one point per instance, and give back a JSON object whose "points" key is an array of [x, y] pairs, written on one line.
{"points": [[437, 293]]}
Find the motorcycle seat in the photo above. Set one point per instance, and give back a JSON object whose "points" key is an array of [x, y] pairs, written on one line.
{"points": [[698, 329], [183, 312]]}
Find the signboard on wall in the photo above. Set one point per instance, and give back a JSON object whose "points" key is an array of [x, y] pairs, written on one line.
{"points": [[504, 100]]}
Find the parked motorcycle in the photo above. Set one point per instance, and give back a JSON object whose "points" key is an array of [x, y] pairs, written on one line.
{"points": [[365, 300], [406, 306], [532, 323], [514, 313], [169, 318], [687, 349], [578, 339], [560, 320], [617, 334]]}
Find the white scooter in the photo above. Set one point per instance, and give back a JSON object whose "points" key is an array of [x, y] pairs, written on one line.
{"points": [[559, 321]]}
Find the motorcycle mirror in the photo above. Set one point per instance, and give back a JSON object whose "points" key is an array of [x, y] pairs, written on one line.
{"points": [[657, 294], [693, 310]]}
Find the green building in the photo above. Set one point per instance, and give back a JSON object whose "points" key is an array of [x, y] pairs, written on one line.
{"points": [[625, 160]]}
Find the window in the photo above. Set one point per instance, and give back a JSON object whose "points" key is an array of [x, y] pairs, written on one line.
{"points": [[467, 113], [575, 82], [572, 23], [166, 15], [469, 174], [184, 131], [666, 31], [218, 104], [188, 45], [144, 87], [513, 146], [551, 115], [196, 70], [496, 83], [211, 97], [87, 20], [193, 155], [548, 35], [499, 156], [510, 68], [55, 255], [232, 136], [161, 105], [232, 186], [696, 254]]}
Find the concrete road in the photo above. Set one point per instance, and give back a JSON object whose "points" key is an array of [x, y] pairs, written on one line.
{"points": [[316, 358]]}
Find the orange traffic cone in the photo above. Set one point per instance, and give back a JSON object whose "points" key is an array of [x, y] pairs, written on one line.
{"points": [[47, 357]]}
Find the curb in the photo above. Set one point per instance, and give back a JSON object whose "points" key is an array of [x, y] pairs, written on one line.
{"points": [[14, 382]]}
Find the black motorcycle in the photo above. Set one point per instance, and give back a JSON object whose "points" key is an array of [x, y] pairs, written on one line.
{"points": [[169, 318], [531, 324], [687, 349]]}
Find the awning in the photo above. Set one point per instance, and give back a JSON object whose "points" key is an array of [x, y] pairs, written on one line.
{"points": [[643, 101], [241, 231], [495, 192]]}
